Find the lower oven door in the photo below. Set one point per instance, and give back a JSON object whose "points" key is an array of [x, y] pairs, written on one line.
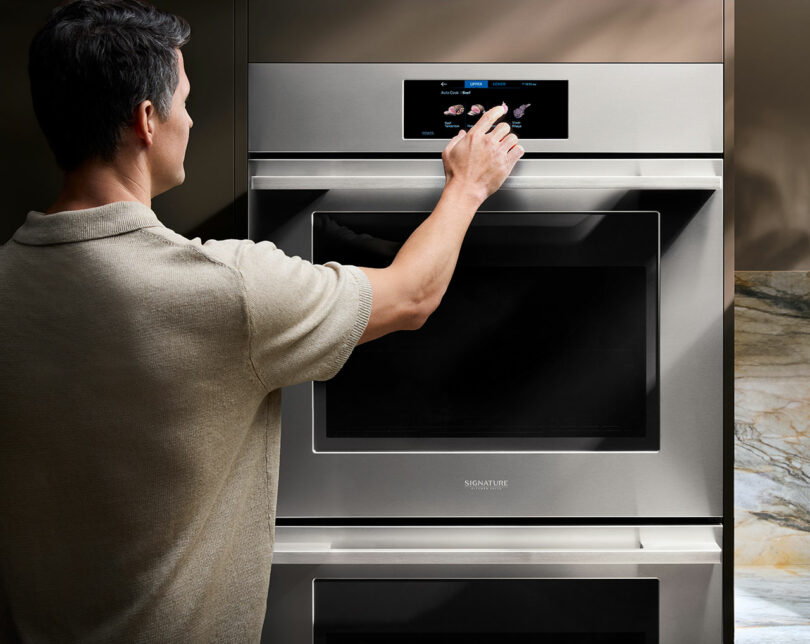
{"points": [[573, 368], [626, 585]]}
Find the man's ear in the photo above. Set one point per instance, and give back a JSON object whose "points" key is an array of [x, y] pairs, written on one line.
{"points": [[143, 121]]}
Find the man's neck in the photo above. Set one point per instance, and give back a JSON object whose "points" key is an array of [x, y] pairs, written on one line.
{"points": [[96, 184]]}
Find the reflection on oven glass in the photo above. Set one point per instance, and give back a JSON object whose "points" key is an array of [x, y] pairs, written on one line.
{"points": [[336, 240], [547, 331]]}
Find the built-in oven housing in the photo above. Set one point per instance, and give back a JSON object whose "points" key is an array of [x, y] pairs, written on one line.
{"points": [[361, 511], [638, 262]]}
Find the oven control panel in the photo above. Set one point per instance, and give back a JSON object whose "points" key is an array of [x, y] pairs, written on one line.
{"points": [[438, 109], [554, 109]]}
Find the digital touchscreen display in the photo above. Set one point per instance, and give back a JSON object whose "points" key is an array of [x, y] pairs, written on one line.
{"points": [[438, 109]]}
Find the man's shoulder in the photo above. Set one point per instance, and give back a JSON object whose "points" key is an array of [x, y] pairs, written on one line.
{"points": [[263, 259], [225, 252]]}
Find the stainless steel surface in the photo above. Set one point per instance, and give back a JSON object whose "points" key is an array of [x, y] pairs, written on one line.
{"points": [[689, 592], [666, 108], [420, 545], [552, 31], [386, 174], [683, 478]]}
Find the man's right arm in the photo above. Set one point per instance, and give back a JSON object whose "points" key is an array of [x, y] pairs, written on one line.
{"points": [[410, 289]]}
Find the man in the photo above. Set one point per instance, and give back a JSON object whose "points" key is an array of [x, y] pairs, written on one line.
{"points": [[140, 372]]}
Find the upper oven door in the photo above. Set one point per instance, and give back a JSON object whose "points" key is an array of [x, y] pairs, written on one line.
{"points": [[573, 369]]}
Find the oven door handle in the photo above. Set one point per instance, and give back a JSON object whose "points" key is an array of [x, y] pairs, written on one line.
{"points": [[410, 174], [524, 182], [644, 545], [285, 553]]}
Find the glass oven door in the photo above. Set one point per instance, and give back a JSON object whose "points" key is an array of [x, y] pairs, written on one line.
{"points": [[484, 611], [546, 339]]}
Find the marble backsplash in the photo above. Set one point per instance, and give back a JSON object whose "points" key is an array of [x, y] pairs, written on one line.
{"points": [[772, 418]]}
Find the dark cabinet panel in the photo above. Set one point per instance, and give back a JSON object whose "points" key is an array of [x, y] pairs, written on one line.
{"points": [[772, 135], [29, 178], [204, 204], [209, 202]]}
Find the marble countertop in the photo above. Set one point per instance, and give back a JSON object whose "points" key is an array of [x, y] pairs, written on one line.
{"points": [[772, 457], [772, 604]]}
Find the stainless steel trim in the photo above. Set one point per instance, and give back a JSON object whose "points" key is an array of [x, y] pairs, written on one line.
{"points": [[512, 183], [367, 174], [431, 557], [498, 545]]}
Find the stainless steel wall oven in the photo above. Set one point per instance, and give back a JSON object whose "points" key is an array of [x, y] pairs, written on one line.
{"points": [[555, 429]]}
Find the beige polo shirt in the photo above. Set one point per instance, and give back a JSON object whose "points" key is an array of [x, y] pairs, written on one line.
{"points": [[139, 421]]}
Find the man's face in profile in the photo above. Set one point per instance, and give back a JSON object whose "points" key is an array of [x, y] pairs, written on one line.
{"points": [[171, 138]]}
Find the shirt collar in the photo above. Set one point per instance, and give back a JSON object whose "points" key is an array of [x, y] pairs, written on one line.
{"points": [[108, 220]]}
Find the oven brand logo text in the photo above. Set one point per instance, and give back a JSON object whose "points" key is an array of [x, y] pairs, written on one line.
{"points": [[487, 485]]}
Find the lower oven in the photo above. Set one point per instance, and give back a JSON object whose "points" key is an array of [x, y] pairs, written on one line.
{"points": [[484, 584]]}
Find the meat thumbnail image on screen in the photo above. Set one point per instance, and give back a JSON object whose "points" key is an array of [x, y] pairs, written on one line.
{"points": [[520, 111], [475, 110], [478, 109]]}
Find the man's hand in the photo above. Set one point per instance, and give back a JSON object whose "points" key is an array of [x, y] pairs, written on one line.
{"points": [[410, 289], [480, 161]]}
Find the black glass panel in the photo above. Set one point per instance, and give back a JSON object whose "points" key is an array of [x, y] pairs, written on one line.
{"points": [[487, 638], [545, 339], [536, 109], [512, 611]]}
